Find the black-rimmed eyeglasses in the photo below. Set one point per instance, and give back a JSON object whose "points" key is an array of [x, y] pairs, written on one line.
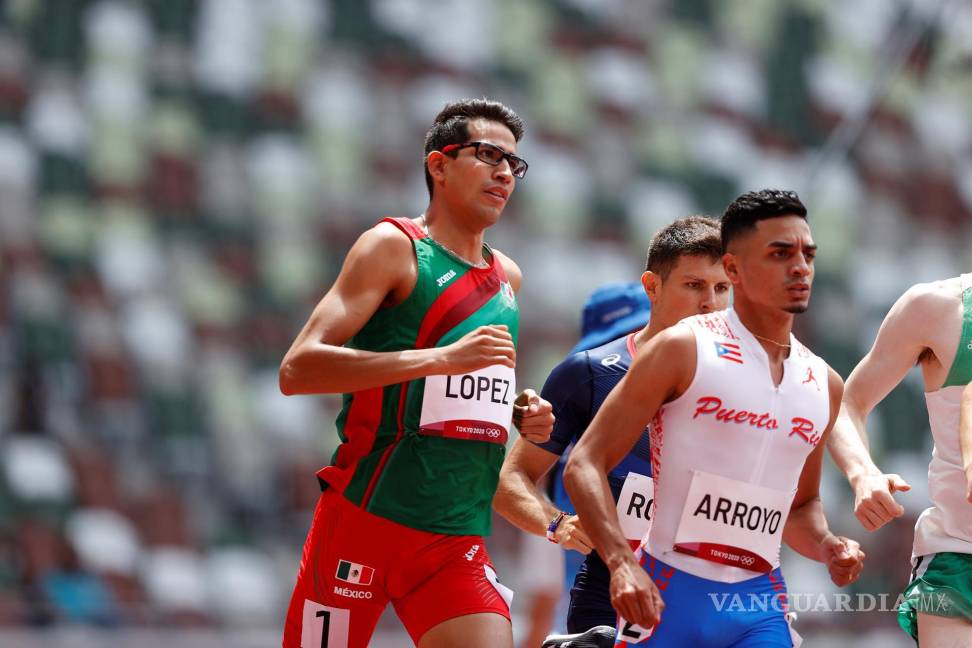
{"points": [[492, 155]]}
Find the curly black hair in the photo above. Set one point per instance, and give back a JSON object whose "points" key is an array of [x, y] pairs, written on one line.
{"points": [[742, 213]]}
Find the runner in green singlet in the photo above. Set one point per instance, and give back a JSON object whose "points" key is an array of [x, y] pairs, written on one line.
{"points": [[419, 333], [931, 326]]}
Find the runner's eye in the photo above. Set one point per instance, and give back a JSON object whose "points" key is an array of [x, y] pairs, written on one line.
{"points": [[518, 166], [489, 154]]}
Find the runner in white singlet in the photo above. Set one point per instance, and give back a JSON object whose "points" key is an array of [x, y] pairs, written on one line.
{"points": [[738, 409], [930, 325]]}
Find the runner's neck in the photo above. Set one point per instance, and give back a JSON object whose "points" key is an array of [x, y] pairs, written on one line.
{"points": [[457, 237]]}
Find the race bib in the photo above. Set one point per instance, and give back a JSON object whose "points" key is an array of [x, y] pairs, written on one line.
{"points": [[477, 406], [732, 522], [324, 627], [632, 633], [636, 506]]}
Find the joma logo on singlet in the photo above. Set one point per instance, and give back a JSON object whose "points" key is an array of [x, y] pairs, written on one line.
{"points": [[441, 281]]}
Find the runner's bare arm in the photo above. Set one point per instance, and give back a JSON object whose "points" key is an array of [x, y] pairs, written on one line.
{"points": [[660, 372], [520, 501], [806, 530], [965, 437], [897, 347], [380, 265]]}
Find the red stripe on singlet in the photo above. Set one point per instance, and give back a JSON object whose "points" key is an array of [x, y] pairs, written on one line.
{"points": [[457, 302], [364, 416], [360, 429], [411, 230]]}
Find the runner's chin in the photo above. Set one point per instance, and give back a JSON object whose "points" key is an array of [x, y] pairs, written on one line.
{"points": [[799, 302]]}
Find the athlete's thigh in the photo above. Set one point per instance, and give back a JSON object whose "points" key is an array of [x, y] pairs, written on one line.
{"points": [[944, 632], [338, 595], [590, 600], [693, 616], [448, 579], [481, 630]]}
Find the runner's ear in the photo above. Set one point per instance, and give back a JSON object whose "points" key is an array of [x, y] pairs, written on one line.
{"points": [[435, 162], [730, 264], [652, 282]]}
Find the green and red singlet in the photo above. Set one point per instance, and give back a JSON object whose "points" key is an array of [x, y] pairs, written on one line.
{"points": [[427, 453]]}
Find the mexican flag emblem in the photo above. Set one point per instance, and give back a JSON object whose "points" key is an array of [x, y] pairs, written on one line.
{"points": [[351, 572], [506, 291]]}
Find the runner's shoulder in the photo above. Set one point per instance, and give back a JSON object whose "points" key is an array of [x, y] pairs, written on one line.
{"points": [[679, 337], [570, 372], [610, 357], [385, 239], [513, 272], [931, 297], [382, 258]]}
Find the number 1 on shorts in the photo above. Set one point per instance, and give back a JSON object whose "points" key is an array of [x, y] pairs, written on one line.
{"points": [[324, 627]]}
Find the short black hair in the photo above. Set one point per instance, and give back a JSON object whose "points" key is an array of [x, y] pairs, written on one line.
{"points": [[451, 125], [692, 235], [743, 213]]}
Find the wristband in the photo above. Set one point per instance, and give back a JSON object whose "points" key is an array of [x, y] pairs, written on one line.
{"points": [[552, 529]]}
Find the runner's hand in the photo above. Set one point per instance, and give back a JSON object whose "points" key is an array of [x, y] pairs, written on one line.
{"points": [[533, 416], [874, 505], [634, 596], [481, 347], [571, 535], [844, 559]]}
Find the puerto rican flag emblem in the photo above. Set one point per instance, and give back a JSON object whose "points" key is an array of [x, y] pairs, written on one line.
{"points": [[728, 351]]}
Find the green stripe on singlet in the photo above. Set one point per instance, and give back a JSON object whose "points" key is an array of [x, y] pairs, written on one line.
{"points": [[961, 371]]}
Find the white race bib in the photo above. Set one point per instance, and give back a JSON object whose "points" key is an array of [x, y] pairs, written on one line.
{"points": [[324, 626], [636, 506], [477, 406], [632, 633], [732, 522]]}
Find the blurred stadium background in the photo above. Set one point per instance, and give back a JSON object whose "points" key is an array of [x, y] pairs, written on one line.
{"points": [[180, 180]]}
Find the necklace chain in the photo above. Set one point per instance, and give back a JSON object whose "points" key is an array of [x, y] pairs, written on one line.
{"points": [[760, 337], [476, 264]]}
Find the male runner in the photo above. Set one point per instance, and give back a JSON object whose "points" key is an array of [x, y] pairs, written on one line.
{"points": [[931, 326], [683, 276], [611, 311], [738, 408], [419, 332]]}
